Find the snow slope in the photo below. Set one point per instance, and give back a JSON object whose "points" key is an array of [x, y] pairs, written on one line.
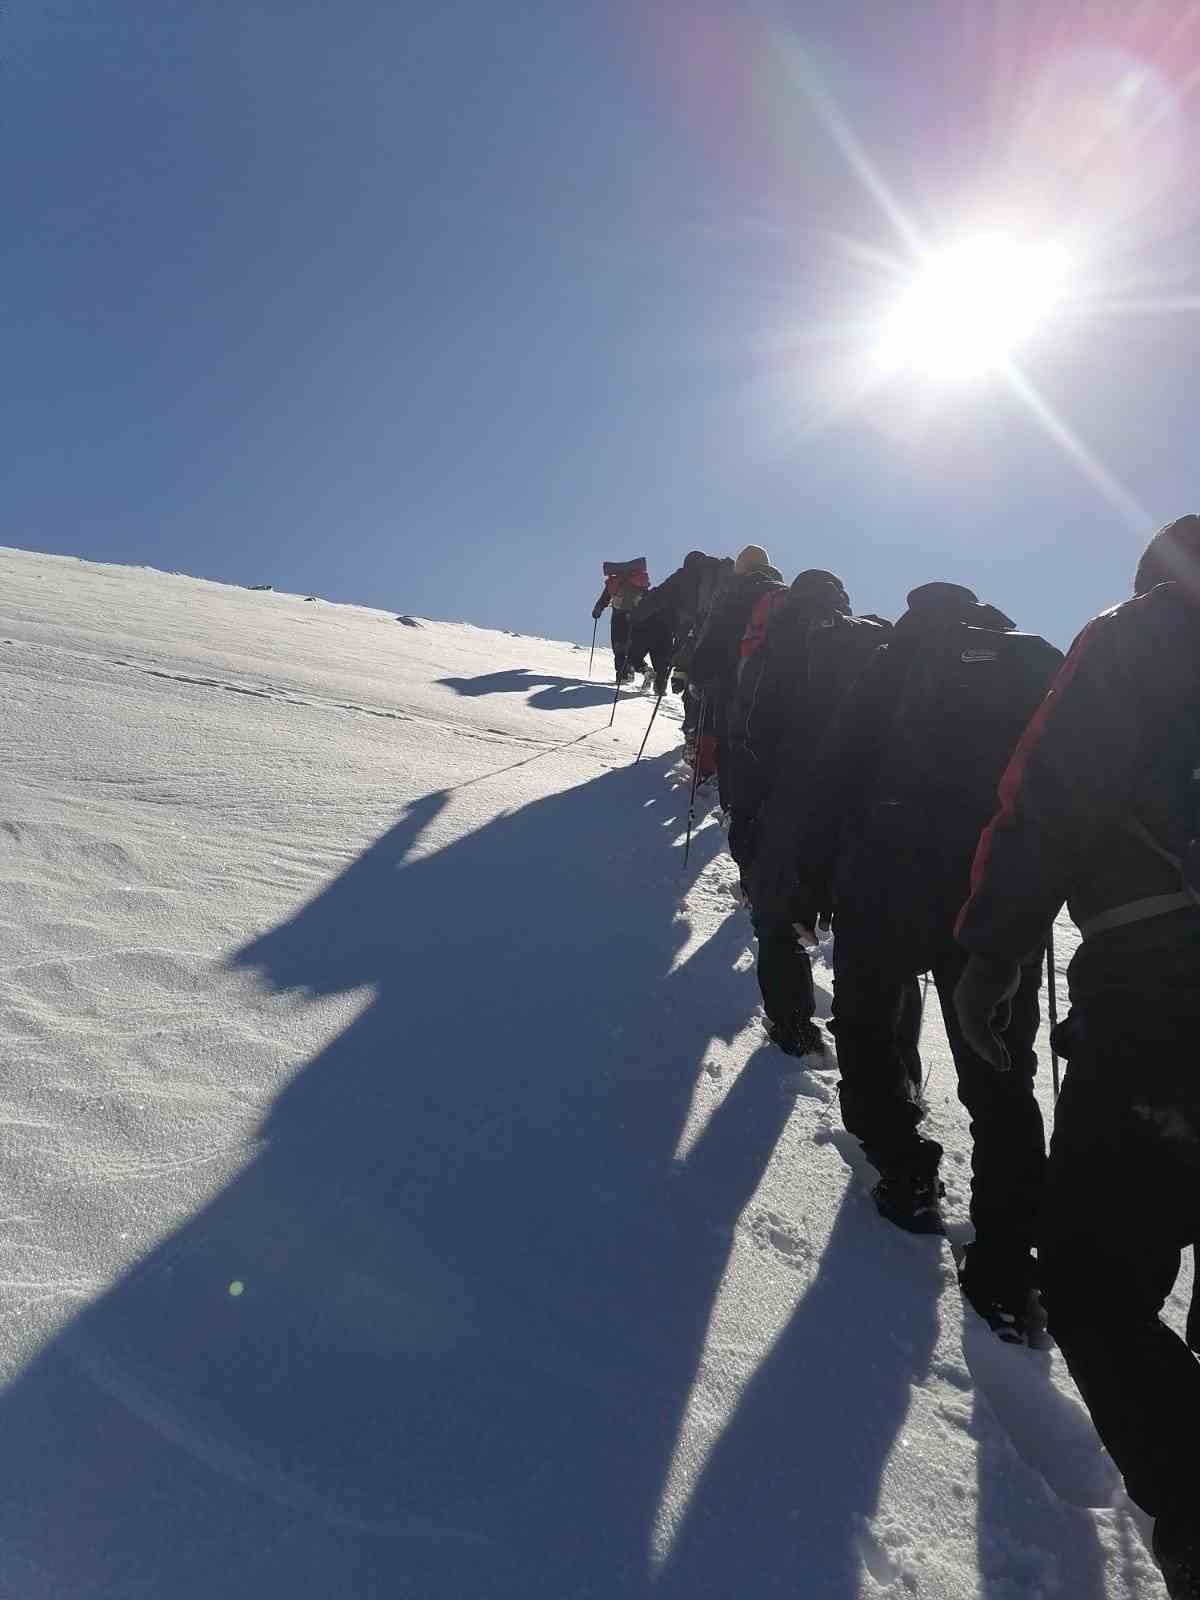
{"points": [[399, 1198]]}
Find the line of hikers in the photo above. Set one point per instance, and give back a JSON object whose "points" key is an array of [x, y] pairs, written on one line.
{"points": [[859, 766]]}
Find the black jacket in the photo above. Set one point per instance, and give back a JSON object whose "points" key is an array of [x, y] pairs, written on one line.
{"points": [[688, 592], [1101, 770]]}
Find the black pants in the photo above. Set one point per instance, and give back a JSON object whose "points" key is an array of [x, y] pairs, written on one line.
{"points": [[876, 1002], [784, 973], [654, 638], [1122, 1203], [623, 648]]}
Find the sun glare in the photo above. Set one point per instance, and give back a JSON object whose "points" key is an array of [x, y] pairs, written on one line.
{"points": [[971, 307]]}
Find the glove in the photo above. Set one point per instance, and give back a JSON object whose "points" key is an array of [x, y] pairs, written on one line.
{"points": [[983, 1001], [597, 612], [678, 681]]}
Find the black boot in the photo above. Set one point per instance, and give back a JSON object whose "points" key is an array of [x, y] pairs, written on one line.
{"points": [[1177, 1551], [908, 1190], [1002, 1288]]}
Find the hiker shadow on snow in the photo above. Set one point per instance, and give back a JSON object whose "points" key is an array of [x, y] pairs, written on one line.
{"points": [[553, 693], [436, 1338]]}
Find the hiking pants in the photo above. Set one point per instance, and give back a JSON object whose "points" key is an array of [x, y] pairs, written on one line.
{"points": [[1122, 1203], [876, 1021], [784, 972], [622, 642]]}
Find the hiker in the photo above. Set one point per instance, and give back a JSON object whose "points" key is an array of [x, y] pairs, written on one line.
{"points": [[713, 662], [625, 582], [801, 650], [653, 639], [689, 594], [904, 784], [1101, 811]]}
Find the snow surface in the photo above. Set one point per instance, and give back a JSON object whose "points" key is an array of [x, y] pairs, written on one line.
{"points": [[399, 1196]]}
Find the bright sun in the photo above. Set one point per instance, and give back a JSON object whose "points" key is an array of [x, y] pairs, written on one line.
{"points": [[972, 306]]}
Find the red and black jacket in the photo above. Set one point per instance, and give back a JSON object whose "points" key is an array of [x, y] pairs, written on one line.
{"points": [[1095, 791]]}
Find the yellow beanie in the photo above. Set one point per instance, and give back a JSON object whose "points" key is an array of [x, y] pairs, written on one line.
{"points": [[752, 556]]}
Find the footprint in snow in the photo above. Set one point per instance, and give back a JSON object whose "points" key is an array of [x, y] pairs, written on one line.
{"points": [[774, 1233]]}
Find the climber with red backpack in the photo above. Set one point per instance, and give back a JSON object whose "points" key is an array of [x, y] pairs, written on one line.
{"points": [[713, 662], [625, 583]]}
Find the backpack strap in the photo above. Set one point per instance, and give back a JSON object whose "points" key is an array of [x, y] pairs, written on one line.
{"points": [[1154, 905]]}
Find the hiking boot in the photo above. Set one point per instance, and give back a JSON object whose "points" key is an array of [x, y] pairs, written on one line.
{"points": [[908, 1192], [1004, 1293], [625, 675], [647, 681], [1176, 1544], [801, 1038]]}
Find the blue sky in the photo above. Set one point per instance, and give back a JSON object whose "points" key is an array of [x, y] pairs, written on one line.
{"points": [[435, 307]]}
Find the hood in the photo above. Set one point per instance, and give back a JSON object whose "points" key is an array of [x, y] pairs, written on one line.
{"points": [[822, 590], [1172, 556], [935, 603]]}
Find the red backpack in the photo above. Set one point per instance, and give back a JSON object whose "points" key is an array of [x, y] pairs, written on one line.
{"points": [[625, 582], [759, 624]]}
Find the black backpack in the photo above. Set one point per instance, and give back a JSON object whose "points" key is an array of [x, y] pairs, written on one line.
{"points": [[789, 687], [964, 702], [794, 670]]}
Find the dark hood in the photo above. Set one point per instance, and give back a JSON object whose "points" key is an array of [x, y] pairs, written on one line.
{"points": [[934, 604], [822, 590], [1172, 556]]}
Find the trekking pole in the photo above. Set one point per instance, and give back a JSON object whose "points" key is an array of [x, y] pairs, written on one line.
{"points": [[649, 725], [595, 625], [695, 778], [1052, 1000], [616, 697], [920, 1031]]}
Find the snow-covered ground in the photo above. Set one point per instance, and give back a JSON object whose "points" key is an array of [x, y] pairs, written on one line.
{"points": [[399, 1199]]}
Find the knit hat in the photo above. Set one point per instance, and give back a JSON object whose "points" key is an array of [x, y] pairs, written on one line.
{"points": [[752, 556], [1172, 556]]}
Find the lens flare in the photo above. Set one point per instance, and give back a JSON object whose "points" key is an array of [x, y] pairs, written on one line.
{"points": [[970, 309]]}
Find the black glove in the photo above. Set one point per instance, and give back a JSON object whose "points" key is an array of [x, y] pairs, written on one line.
{"points": [[678, 681], [983, 1001], [597, 612]]}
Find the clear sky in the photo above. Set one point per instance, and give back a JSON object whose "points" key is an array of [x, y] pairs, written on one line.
{"points": [[435, 306]]}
